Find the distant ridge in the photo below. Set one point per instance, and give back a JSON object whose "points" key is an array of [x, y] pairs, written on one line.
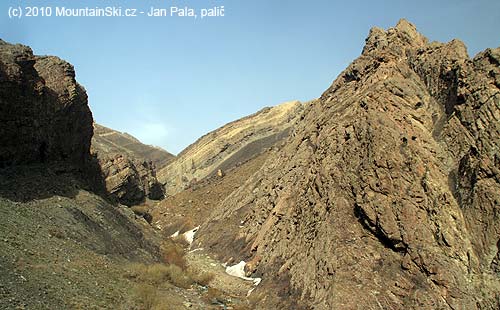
{"points": [[111, 140], [229, 145]]}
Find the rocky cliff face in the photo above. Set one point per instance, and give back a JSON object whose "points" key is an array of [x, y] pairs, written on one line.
{"points": [[44, 114], [44, 117], [387, 194], [230, 145], [128, 166]]}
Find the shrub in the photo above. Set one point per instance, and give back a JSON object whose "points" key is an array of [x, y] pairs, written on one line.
{"points": [[179, 277], [134, 270], [146, 295], [156, 274], [181, 241], [172, 253], [201, 277]]}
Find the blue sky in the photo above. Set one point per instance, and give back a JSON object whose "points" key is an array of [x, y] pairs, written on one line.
{"points": [[170, 80]]}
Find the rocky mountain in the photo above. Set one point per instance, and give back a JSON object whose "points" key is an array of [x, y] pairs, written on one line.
{"points": [[111, 141], [386, 194], [128, 166], [229, 146], [62, 246], [44, 116]]}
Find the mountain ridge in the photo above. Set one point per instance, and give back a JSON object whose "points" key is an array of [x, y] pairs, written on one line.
{"points": [[385, 192], [219, 149]]}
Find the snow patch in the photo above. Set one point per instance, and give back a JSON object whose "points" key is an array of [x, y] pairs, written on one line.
{"points": [[250, 291], [175, 234], [189, 235], [238, 270]]}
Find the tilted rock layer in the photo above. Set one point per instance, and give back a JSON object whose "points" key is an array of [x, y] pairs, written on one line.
{"points": [[111, 141], [128, 166], [44, 114], [230, 145], [387, 194]]}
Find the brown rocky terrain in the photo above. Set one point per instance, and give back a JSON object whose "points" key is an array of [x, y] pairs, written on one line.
{"points": [[128, 166], [61, 243], [62, 246], [191, 207], [387, 193], [384, 193], [44, 114], [229, 145]]}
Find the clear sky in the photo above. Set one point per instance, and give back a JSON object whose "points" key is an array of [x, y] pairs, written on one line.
{"points": [[170, 80]]}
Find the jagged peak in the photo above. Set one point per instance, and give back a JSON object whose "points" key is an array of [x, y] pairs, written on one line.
{"points": [[405, 26], [403, 34]]}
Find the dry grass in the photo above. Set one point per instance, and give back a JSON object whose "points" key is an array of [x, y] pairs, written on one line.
{"points": [[146, 295], [185, 224], [203, 278], [156, 274], [179, 277], [167, 303], [200, 277], [172, 253], [150, 298]]}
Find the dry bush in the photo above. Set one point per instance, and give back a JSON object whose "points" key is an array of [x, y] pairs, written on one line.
{"points": [[201, 277], [153, 274], [179, 277], [173, 253], [134, 270], [182, 225], [146, 295], [156, 273], [150, 298], [180, 240], [159, 273]]}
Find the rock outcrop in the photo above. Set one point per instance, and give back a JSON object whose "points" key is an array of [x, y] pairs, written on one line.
{"points": [[387, 194], [229, 146], [128, 166], [44, 116]]}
